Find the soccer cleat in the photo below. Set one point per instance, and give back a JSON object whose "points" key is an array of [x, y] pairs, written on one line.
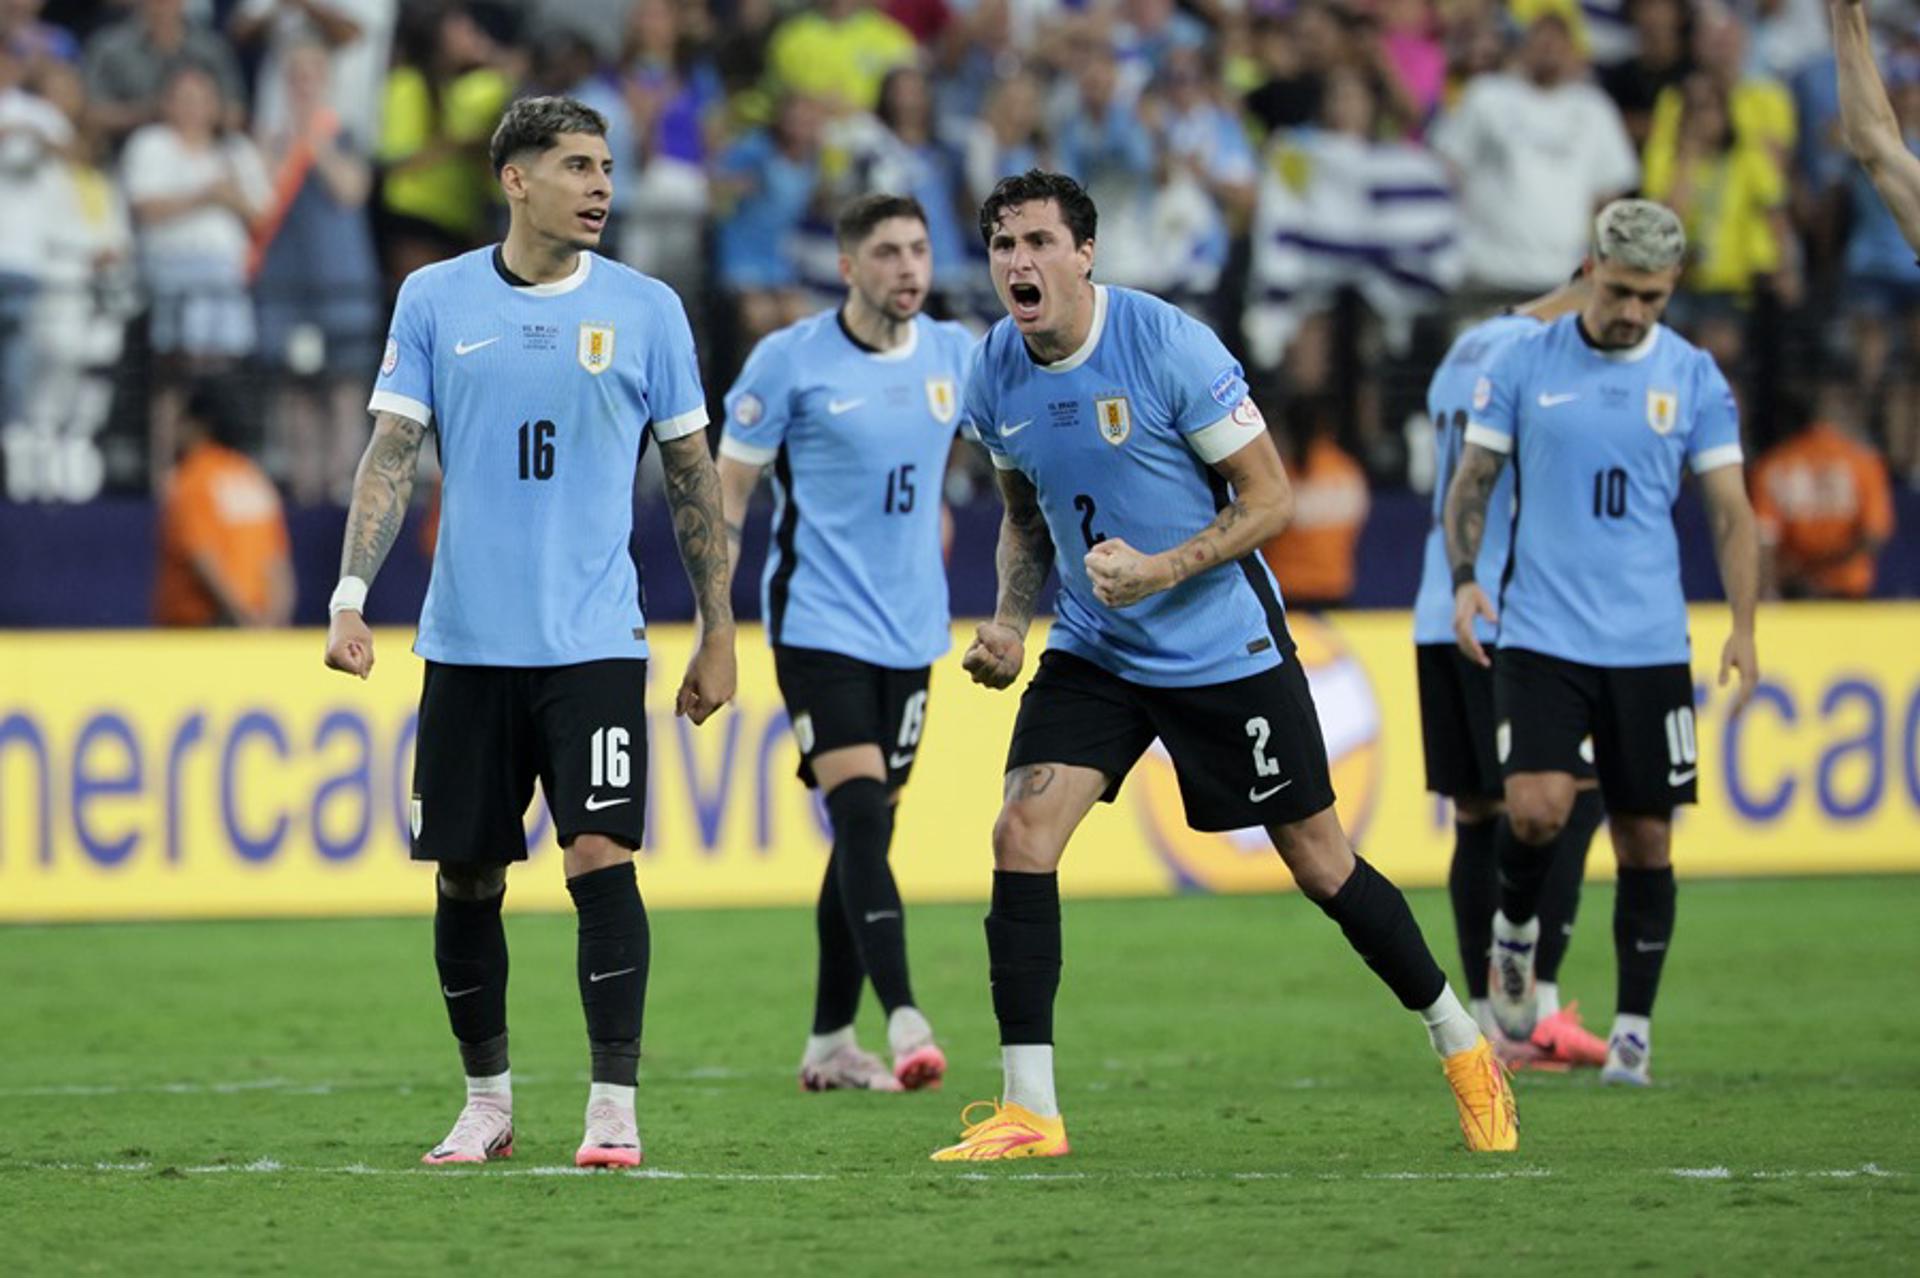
{"points": [[1009, 1131], [1523, 1057], [613, 1136], [1510, 988], [483, 1131], [1488, 1118], [1628, 1058], [1561, 1038], [848, 1068], [921, 1069]]}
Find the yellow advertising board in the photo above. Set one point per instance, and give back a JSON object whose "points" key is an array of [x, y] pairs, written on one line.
{"points": [[150, 775]]}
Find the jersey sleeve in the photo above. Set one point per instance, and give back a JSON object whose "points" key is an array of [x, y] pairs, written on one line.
{"points": [[976, 406], [1205, 391], [1494, 409], [674, 393], [404, 385], [759, 406], [1715, 439]]}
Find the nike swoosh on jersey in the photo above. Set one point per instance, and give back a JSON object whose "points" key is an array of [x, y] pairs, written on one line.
{"points": [[897, 760], [1676, 777], [839, 406], [596, 977], [1257, 795], [1554, 401], [1015, 429], [468, 348], [595, 803]]}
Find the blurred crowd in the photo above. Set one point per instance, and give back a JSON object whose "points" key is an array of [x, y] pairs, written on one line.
{"points": [[227, 192]]}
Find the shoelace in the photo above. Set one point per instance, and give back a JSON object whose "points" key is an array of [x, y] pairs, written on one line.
{"points": [[608, 1123], [476, 1128]]}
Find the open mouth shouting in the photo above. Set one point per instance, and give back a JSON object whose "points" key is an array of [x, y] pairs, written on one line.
{"points": [[1023, 302]]}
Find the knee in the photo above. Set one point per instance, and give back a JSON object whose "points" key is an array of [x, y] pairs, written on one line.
{"points": [[1538, 813], [590, 852], [472, 882], [1642, 843], [1022, 844], [1317, 854]]}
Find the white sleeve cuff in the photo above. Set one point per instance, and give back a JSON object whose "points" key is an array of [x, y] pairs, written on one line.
{"points": [[386, 401], [685, 424], [1488, 438], [1001, 461], [741, 451], [1715, 458], [1227, 436]]}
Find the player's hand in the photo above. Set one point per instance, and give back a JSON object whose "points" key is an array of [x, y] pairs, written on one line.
{"points": [[1470, 602], [349, 644], [995, 655], [1740, 654], [711, 678], [1122, 575]]}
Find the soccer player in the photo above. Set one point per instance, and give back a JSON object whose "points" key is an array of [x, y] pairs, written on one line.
{"points": [[1601, 411], [540, 367], [1868, 122], [855, 410], [1456, 721], [1131, 458]]}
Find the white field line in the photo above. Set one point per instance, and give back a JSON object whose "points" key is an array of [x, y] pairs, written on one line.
{"points": [[273, 1167]]}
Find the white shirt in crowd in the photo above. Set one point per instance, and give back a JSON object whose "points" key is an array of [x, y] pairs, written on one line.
{"points": [[32, 134], [1531, 166], [159, 165], [358, 69]]}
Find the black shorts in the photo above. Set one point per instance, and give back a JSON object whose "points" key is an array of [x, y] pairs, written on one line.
{"points": [[1641, 719], [487, 731], [1457, 725], [836, 701], [1248, 753]]}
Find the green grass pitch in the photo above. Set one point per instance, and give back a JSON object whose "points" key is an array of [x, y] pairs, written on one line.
{"points": [[1242, 1097]]}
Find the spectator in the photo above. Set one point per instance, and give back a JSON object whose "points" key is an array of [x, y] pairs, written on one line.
{"points": [[767, 182], [357, 36], [1292, 54], [1101, 143], [1733, 200], [1405, 53], [902, 155], [33, 134], [1208, 178], [1534, 154], [1149, 33], [1883, 288], [838, 51], [223, 537], [317, 280], [1761, 108], [34, 42], [1788, 35], [1824, 507], [129, 64], [1009, 137], [928, 20], [195, 195], [674, 98], [1662, 59], [443, 98], [1313, 557]]}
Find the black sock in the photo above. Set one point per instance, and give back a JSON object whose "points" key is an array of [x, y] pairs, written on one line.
{"points": [[1023, 952], [470, 949], [1566, 871], [1473, 883], [1381, 929], [1643, 907], [615, 948], [862, 824], [1523, 872], [836, 991]]}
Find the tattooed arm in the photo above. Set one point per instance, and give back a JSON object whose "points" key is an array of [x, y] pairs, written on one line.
{"points": [[1262, 505], [699, 525], [382, 487], [738, 479], [1465, 520], [1022, 561]]}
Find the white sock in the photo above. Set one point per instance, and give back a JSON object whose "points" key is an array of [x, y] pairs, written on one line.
{"points": [[497, 1090], [821, 1046], [1639, 1026], [1482, 1011], [1448, 1025], [1505, 929], [1028, 1073], [1546, 999], [908, 1030], [616, 1092]]}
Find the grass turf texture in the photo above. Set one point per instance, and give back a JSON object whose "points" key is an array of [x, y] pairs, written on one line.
{"points": [[1241, 1094]]}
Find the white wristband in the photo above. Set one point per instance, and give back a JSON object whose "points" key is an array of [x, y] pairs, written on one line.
{"points": [[349, 596]]}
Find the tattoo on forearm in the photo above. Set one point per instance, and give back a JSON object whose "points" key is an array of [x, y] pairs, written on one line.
{"points": [[1466, 512], [1205, 548], [693, 494], [1029, 782], [1023, 558], [382, 487]]}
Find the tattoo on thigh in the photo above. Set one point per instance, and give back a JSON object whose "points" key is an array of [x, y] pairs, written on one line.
{"points": [[1029, 782]]}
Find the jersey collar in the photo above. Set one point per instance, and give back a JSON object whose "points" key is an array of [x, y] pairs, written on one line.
{"points": [[1631, 355], [1086, 350], [900, 352], [582, 267]]}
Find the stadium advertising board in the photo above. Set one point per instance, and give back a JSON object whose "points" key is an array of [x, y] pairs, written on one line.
{"points": [[148, 775]]}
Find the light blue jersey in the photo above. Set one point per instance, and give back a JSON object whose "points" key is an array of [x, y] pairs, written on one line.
{"points": [[1118, 439], [540, 396], [858, 441], [1449, 398], [1597, 441]]}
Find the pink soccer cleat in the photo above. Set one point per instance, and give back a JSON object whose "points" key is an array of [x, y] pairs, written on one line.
{"points": [[483, 1131], [847, 1068], [921, 1069], [1562, 1038], [613, 1136]]}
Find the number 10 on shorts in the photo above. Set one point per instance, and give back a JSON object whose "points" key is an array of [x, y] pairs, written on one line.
{"points": [[612, 765]]}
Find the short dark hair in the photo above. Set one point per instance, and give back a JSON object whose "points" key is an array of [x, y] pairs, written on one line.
{"points": [[1038, 186], [535, 124], [857, 220]]}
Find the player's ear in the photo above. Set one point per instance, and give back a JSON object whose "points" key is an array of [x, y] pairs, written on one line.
{"points": [[513, 181], [1085, 250], [846, 269]]}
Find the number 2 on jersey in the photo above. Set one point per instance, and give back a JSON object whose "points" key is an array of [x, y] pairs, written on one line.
{"points": [[1083, 503]]}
